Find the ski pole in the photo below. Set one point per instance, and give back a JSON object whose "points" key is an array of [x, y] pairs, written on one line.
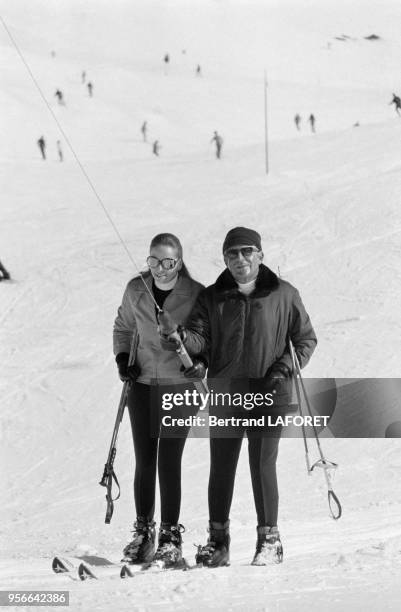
{"points": [[169, 328], [108, 473], [298, 392], [327, 466]]}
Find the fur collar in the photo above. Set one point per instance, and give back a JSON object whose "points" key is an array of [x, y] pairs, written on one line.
{"points": [[266, 282]]}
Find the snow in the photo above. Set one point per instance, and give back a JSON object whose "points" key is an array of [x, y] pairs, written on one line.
{"points": [[329, 216]]}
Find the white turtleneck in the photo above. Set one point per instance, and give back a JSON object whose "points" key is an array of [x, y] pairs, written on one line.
{"points": [[247, 288]]}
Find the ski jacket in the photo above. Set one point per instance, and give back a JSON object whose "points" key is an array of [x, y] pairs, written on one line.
{"points": [[244, 336], [136, 322]]}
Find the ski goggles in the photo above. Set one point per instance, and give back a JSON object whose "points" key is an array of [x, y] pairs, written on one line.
{"points": [[168, 263], [246, 252]]}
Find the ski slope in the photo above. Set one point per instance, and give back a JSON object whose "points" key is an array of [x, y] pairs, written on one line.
{"points": [[329, 215]]}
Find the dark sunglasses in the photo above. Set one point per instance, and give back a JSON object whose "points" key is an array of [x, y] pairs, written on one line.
{"points": [[246, 252], [168, 263]]}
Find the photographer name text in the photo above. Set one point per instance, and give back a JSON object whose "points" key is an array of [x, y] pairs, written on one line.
{"points": [[265, 420]]}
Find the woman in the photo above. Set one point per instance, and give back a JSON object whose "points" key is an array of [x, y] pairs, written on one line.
{"points": [[152, 373]]}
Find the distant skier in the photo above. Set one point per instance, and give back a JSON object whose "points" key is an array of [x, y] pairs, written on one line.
{"points": [[198, 70], [397, 103], [166, 60], [83, 76], [42, 147], [312, 121], [4, 274], [156, 148], [217, 139], [60, 97], [144, 130], [59, 151], [90, 89], [297, 121]]}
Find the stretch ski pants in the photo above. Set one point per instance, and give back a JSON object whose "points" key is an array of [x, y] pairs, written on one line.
{"points": [[224, 454], [153, 452]]}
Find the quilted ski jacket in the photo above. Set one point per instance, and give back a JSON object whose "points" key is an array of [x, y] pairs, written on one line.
{"points": [[244, 336], [136, 322]]}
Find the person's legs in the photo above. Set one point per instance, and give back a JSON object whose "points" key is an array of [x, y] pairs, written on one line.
{"points": [[254, 453], [224, 454], [145, 448], [268, 477], [268, 545], [169, 468], [171, 445], [142, 546]]}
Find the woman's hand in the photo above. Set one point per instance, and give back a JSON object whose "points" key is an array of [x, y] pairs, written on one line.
{"points": [[170, 342], [127, 373]]}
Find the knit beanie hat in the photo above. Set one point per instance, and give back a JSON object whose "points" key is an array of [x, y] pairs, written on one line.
{"points": [[242, 236]]}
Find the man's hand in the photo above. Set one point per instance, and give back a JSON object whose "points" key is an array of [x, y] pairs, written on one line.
{"points": [[278, 374], [197, 370]]}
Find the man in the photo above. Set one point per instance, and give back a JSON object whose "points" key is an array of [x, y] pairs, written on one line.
{"points": [[42, 146], [156, 148], [397, 103], [59, 151], [243, 323], [144, 130], [60, 97], [217, 139]]}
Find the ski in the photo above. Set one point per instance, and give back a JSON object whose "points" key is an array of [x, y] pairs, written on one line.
{"points": [[62, 565], [88, 571], [85, 572], [154, 568], [128, 571], [81, 568]]}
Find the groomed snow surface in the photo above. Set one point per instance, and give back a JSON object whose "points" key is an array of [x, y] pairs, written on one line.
{"points": [[329, 214]]}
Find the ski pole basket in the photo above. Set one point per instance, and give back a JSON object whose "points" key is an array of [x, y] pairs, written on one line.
{"points": [[327, 466]]}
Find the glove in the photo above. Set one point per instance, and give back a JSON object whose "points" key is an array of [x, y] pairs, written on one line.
{"points": [[197, 370], [277, 375], [169, 343], [127, 373]]}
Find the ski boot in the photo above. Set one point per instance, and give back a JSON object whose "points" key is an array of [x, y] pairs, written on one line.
{"points": [[142, 547], [269, 549], [169, 551], [216, 553]]}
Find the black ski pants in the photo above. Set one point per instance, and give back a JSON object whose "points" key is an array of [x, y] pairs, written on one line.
{"points": [[154, 452], [224, 454]]}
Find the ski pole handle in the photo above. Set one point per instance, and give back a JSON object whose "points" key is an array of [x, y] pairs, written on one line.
{"points": [[168, 327]]}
